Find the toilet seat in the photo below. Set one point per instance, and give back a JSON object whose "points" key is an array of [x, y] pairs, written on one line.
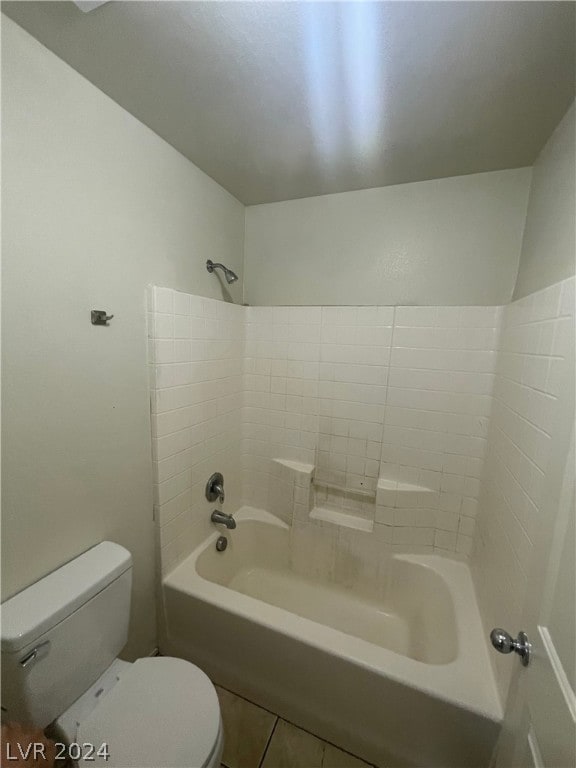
{"points": [[162, 713]]}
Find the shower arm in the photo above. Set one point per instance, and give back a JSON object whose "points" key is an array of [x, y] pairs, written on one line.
{"points": [[231, 276], [212, 265]]}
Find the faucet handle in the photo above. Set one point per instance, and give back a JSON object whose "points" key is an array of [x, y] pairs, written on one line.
{"points": [[215, 487], [218, 492]]}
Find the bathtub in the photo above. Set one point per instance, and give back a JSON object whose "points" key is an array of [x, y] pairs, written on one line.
{"points": [[399, 678]]}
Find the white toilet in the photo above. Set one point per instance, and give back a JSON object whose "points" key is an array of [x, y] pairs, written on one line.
{"points": [[60, 640]]}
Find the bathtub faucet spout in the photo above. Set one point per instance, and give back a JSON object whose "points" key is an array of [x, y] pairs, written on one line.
{"points": [[223, 518]]}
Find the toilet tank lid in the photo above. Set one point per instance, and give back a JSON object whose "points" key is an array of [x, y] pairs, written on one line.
{"points": [[39, 607]]}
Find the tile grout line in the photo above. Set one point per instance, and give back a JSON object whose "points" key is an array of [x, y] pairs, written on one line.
{"points": [[239, 696], [278, 718], [272, 732], [314, 735]]}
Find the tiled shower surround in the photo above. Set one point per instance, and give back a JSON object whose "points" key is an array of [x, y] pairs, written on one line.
{"points": [[196, 355], [369, 423], [536, 358], [367, 393]]}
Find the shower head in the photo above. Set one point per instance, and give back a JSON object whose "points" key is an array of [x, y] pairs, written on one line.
{"points": [[230, 276]]}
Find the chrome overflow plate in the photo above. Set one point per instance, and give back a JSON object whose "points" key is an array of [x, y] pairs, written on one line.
{"points": [[221, 543], [505, 643]]}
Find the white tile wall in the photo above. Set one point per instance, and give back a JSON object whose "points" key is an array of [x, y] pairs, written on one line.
{"points": [[537, 336], [369, 392], [353, 376], [196, 350], [362, 393], [436, 421], [281, 381]]}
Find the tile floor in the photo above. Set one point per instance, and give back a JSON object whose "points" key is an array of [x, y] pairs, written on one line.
{"points": [[256, 738]]}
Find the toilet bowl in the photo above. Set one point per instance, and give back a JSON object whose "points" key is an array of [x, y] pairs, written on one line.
{"points": [[60, 640], [154, 713]]}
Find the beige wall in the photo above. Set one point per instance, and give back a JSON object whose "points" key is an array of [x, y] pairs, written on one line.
{"points": [[549, 245], [444, 242], [96, 206]]}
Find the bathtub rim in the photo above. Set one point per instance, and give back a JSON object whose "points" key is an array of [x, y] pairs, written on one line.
{"points": [[476, 689]]}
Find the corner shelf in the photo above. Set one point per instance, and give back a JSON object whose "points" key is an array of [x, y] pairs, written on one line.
{"points": [[343, 519]]}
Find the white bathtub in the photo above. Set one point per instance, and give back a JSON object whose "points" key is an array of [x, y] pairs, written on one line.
{"points": [[400, 679]]}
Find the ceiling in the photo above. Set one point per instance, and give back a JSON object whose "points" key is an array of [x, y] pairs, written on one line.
{"points": [[279, 100]]}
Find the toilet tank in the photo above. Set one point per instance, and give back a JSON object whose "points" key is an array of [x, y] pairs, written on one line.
{"points": [[61, 633]]}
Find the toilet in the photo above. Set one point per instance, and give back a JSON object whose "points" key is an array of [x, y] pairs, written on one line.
{"points": [[60, 640]]}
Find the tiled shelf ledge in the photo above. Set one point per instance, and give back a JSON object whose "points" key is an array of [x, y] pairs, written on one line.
{"points": [[393, 493], [390, 494], [300, 467], [343, 519]]}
